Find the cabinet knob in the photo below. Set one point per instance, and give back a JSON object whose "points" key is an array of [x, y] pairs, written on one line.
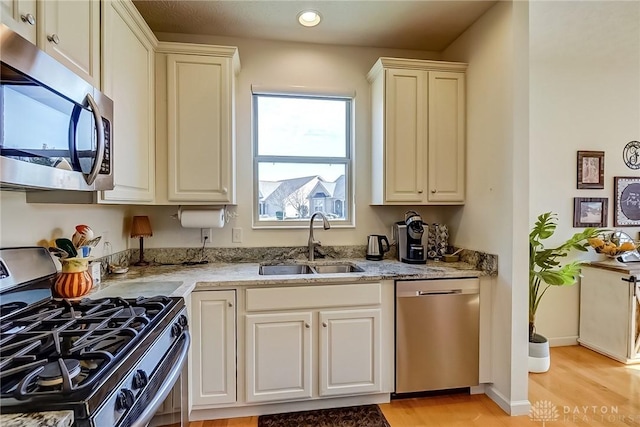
{"points": [[28, 18], [54, 38], [306, 325], [419, 191], [324, 324], [433, 191], [230, 304], [224, 190]]}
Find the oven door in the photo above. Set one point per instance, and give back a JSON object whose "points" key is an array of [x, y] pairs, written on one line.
{"points": [[173, 412], [162, 403]]}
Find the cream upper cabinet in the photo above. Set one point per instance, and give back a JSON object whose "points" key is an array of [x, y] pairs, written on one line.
{"points": [[129, 80], [20, 16], [198, 85], [70, 32], [418, 132], [213, 349]]}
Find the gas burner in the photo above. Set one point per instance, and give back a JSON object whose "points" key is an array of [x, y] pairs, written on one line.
{"points": [[52, 375], [11, 307], [132, 312]]}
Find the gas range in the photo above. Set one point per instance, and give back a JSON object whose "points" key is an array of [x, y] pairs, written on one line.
{"points": [[110, 360]]}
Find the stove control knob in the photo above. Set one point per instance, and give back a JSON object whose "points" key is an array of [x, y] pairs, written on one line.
{"points": [[183, 320], [140, 379], [176, 330], [124, 400]]}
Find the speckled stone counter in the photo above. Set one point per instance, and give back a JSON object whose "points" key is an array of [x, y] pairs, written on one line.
{"points": [[38, 419], [180, 280]]}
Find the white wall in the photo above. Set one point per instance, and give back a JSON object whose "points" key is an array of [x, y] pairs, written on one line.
{"points": [[497, 183], [585, 95], [272, 63], [26, 224]]}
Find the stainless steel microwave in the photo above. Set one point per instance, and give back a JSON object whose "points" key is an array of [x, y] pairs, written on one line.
{"points": [[55, 128]]}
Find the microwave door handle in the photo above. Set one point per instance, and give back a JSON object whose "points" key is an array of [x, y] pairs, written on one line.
{"points": [[97, 115]]}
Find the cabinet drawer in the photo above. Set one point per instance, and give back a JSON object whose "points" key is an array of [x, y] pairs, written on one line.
{"points": [[313, 296]]}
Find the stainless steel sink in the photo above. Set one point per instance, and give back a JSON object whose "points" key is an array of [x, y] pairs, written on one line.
{"points": [[284, 269], [336, 268]]}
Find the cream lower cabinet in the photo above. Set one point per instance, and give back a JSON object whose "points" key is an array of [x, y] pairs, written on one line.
{"points": [[321, 347], [610, 313], [278, 356], [129, 80], [418, 132], [349, 352], [213, 349], [196, 87]]}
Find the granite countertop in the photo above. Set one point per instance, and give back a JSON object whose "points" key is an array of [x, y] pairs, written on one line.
{"points": [[38, 419], [180, 280]]}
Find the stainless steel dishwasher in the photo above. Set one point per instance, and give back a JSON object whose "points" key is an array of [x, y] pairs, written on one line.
{"points": [[437, 334]]}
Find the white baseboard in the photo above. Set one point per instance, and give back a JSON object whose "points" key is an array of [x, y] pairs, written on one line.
{"points": [[563, 341], [477, 389], [512, 408]]}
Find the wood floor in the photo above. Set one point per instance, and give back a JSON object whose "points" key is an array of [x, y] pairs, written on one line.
{"points": [[584, 388]]}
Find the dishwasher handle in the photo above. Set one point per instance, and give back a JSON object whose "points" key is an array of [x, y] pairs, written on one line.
{"points": [[434, 292], [443, 292]]}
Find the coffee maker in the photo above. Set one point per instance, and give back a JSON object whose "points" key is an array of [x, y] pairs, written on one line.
{"points": [[408, 236]]}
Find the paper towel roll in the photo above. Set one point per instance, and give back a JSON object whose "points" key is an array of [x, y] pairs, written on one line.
{"points": [[201, 218]]}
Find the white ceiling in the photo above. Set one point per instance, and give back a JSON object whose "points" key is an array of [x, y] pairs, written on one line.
{"points": [[429, 25]]}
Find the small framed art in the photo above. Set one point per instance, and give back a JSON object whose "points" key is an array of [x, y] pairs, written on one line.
{"points": [[626, 190], [590, 211], [590, 169]]}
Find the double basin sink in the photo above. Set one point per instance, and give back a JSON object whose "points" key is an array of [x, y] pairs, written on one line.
{"points": [[285, 269]]}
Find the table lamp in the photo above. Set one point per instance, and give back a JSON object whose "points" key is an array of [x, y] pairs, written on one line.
{"points": [[141, 227]]}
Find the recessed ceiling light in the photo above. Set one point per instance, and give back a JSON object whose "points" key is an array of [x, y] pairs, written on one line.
{"points": [[309, 18]]}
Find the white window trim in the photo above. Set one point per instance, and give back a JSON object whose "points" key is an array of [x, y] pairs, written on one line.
{"points": [[303, 91]]}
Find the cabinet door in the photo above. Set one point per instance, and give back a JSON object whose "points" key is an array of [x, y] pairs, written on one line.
{"points": [[350, 352], [405, 135], [446, 162], [20, 16], [213, 350], [278, 356], [129, 79], [200, 129], [70, 32]]}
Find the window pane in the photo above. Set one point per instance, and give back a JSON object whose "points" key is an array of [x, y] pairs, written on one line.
{"points": [[293, 191], [309, 127]]}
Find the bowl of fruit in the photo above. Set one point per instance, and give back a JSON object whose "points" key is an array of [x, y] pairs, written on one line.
{"points": [[613, 245]]}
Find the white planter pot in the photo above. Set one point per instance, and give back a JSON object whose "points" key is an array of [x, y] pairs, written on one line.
{"points": [[539, 357]]}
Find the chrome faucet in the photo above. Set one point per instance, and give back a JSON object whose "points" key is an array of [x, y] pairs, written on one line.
{"points": [[313, 243]]}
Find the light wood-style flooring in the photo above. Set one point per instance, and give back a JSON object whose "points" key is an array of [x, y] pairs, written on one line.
{"points": [[585, 388]]}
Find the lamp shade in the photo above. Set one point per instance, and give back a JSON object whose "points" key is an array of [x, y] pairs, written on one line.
{"points": [[141, 227]]}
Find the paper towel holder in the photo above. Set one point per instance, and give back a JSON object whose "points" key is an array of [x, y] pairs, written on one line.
{"points": [[227, 215]]}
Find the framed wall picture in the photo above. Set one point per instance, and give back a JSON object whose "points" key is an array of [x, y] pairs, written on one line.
{"points": [[590, 169], [626, 190], [590, 211]]}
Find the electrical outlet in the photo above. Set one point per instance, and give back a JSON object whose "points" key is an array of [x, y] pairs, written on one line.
{"points": [[236, 235], [205, 233]]}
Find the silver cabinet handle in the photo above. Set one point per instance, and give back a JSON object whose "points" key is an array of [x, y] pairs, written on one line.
{"points": [[306, 325], [324, 324], [28, 18], [450, 292], [101, 145], [53, 38]]}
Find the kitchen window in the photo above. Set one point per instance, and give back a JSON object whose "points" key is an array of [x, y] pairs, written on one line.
{"points": [[302, 158]]}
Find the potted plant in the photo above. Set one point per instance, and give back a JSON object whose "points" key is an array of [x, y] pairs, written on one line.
{"points": [[545, 270]]}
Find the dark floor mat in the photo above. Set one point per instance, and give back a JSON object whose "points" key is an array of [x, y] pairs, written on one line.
{"points": [[353, 416]]}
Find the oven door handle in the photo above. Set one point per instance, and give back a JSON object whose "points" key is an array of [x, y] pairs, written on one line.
{"points": [[162, 393]]}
